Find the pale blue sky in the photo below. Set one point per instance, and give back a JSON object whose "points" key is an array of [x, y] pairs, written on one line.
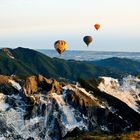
{"points": [[39, 23]]}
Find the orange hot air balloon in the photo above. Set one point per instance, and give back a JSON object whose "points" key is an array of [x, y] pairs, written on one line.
{"points": [[97, 26], [87, 40], [60, 46]]}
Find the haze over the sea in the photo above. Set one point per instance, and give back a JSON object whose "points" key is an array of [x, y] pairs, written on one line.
{"points": [[38, 24]]}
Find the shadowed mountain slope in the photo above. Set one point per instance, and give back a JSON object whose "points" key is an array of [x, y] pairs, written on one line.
{"points": [[24, 62]]}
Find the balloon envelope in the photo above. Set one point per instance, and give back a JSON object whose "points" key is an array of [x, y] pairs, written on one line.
{"points": [[87, 40], [60, 46], [97, 26]]}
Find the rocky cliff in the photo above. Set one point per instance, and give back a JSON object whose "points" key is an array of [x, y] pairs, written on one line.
{"points": [[41, 108]]}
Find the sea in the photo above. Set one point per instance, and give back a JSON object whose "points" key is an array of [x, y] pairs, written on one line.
{"points": [[90, 55]]}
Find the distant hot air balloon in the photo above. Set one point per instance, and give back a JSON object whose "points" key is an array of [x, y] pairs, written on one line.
{"points": [[60, 46], [87, 40], [97, 26]]}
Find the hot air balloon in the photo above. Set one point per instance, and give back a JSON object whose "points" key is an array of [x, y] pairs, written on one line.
{"points": [[97, 26], [87, 40], [60, 46]]}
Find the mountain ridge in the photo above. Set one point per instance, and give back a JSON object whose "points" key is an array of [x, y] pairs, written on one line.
{"points": [[30, 62]]}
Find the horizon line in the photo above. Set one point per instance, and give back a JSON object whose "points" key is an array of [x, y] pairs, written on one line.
{"points": [[72, 50]]}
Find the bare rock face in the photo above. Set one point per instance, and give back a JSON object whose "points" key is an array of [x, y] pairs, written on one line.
{"points": [[8, 85], [49, 85], [4, 79], [35, 84], [9, 54], [80, 99], [31, 85]]}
